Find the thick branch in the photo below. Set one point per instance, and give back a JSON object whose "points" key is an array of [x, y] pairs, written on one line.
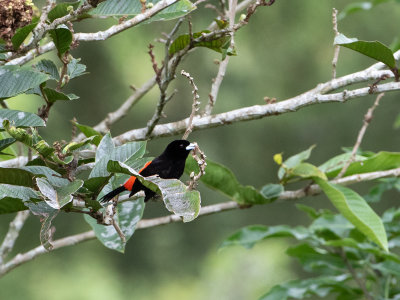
{"points": [[252, 112]]}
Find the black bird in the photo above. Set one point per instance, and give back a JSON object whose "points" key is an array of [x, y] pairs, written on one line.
{"points": [[170, 164]]}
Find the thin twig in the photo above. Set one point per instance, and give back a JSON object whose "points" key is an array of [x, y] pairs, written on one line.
{"points": [[195, 105], [200, 158], [336, 47], [367, 120]]}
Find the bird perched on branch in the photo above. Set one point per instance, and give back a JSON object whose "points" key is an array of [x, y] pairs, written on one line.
{"points": [[170, 164]]}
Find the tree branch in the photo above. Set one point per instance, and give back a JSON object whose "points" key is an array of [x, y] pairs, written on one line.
{"points": [[12, 234], [252, 112]]}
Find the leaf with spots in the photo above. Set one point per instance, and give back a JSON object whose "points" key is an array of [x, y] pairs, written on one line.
{"points": [[19, 118], [127, 216]]}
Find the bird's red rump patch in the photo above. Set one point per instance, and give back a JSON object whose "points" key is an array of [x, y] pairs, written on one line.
{"points": [[130, 182]]}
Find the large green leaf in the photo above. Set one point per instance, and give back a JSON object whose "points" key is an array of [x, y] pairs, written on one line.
{"points": [[62, 38], [106, 151], [21, 34], [355, 209], [16, 176], [12, 197], [176, 196], [15, 80], [133, 7], [375, 49], [20, 118], [222, 179], [128, 215], [381, 161], [52, 176], [354, 7], [250, 235], [4, 143]]}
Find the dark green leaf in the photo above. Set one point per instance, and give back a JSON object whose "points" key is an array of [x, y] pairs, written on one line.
{"points": [[20, 118], [61, 10], [62, 38], [375, 50], [47, 66], [16, 176], [52, 176], [15, 80], [53, 95], [21, 34], [4, 143], [12, 197], [89, 131], [128, 215], [389, 268], [222, 179], [355, 209]]}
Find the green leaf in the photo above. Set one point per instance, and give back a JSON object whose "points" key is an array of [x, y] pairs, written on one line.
{"points": [[306, 170], [89, 131], [218, 44], [4, 143], [75, 146], [222, 179], [47, 66], [321, 286], [12, 197], [62, 38], [250, 235], [381, 161], [21, 34], [317, 259], [53, 95], [358, 6], [355, 209], [52, 176], [106, 151], [293, 161], [47, 215], [128, 215], [375, 50], [57, 197], [132, 8], [177, 198], [15, 80], [16, 176], [75, 69], [388, 268], [61, 10], [272, 191], [20, 118]]}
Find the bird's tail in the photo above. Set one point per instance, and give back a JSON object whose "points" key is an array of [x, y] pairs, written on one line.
{"points": [[112, 194]]}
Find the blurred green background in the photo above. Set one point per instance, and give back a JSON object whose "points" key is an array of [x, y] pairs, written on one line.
{"points": [[285, 50]]}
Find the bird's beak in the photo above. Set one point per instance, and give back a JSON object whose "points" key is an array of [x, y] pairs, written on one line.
{"points": [[191, 146]]}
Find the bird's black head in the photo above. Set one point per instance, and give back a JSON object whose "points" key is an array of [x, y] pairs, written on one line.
{"points": [[179, 149]]}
